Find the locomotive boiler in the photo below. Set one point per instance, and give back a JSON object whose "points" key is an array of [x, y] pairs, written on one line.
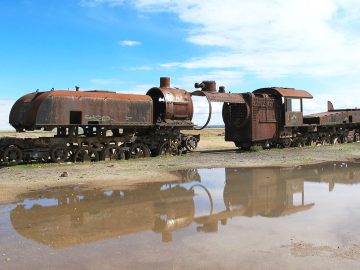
{"points": [[93, 125]]}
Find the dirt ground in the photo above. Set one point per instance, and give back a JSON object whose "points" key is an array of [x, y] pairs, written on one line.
{"points": [[213, 152]]}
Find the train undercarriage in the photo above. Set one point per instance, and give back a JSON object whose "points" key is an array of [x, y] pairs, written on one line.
{"points": [[81, 144], [308, 135]]}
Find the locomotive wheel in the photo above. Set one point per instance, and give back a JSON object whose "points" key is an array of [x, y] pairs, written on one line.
{"points": [[356, 137], [298, 143], [59, 153], [335, 140], [86, 155], [139, 150], [12, 155], [191, 143], [112, 153], [286, 143], [344, 139], [325, 141], [166, 149]]}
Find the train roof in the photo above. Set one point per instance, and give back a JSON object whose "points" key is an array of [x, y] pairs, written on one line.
{"points": [[284, 92]]}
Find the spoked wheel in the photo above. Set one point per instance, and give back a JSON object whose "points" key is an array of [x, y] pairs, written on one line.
{"points": [[59, 153], [191, 143], [356, 137], [344, 139], [335, 140], [139, 150], [324, 141], [112, 153], [86, 155], [165, 149], [12, 155], [286, 143], [298, 143]]}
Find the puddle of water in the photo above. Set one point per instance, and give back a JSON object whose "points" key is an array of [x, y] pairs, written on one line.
{"points": [[212, 218]]}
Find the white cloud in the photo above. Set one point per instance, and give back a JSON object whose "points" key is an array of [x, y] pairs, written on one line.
{"points": [[96, 3], [105, 82], [228, 78], [269, 38], [139, 89], [201, 112], [141, 68], [129, 43], [5, 107]]}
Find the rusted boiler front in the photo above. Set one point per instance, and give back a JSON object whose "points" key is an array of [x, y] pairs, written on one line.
{"points": [[264, 116], [77, 108], [255, 120], [171, 105]]}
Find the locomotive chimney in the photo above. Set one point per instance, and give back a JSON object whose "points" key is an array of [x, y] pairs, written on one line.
{"points": [[77, 88], [222, 89], [164, 82], [208, 86]]}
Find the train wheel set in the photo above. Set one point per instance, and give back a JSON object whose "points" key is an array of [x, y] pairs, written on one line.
{"points": [[15, 151]]}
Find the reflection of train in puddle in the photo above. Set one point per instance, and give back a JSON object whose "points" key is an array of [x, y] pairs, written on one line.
{"points": [[71, 216]]}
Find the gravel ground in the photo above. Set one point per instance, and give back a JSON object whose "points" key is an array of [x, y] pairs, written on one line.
{"points": [[22, 178]]}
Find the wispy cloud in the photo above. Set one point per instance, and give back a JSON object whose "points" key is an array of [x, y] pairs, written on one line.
{"points": [[129, 43], [269, 38], [228, 78], [141, 68], [96, 3]]}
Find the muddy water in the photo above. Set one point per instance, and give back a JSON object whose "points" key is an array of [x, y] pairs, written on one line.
{"points": [[257, 218]]}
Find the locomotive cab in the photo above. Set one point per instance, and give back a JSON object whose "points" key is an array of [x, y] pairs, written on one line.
{"points": [[291, 106]]}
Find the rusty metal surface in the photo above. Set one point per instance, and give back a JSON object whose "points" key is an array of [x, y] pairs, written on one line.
{"points": [[170, 103], [220, 97], [207, 86], [54, 108], [334, 117], [293, 118], [256, 122], [284, 92]]}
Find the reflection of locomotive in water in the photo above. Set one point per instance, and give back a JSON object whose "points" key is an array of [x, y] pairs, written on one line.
{"points": [[75, 216], [93, 125]]}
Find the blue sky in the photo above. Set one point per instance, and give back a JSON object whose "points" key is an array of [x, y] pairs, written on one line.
{"points": [[127, 45]]}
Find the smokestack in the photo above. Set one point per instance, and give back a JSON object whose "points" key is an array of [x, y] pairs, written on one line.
{"points": [[164, 82]]}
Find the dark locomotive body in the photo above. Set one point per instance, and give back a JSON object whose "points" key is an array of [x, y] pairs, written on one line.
{"points": [[266, 117], [93, 125]]}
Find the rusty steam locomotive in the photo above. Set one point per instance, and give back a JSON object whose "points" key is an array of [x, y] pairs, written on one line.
{"points": [[93, 125], [98, 125]]}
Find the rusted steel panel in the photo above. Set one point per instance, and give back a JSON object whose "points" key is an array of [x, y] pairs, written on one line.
{"points": [[258, 121], [284, 92], [61, 108], [264, 117], [170, 103], [293, 118], [220, 97], [333, 117]]}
